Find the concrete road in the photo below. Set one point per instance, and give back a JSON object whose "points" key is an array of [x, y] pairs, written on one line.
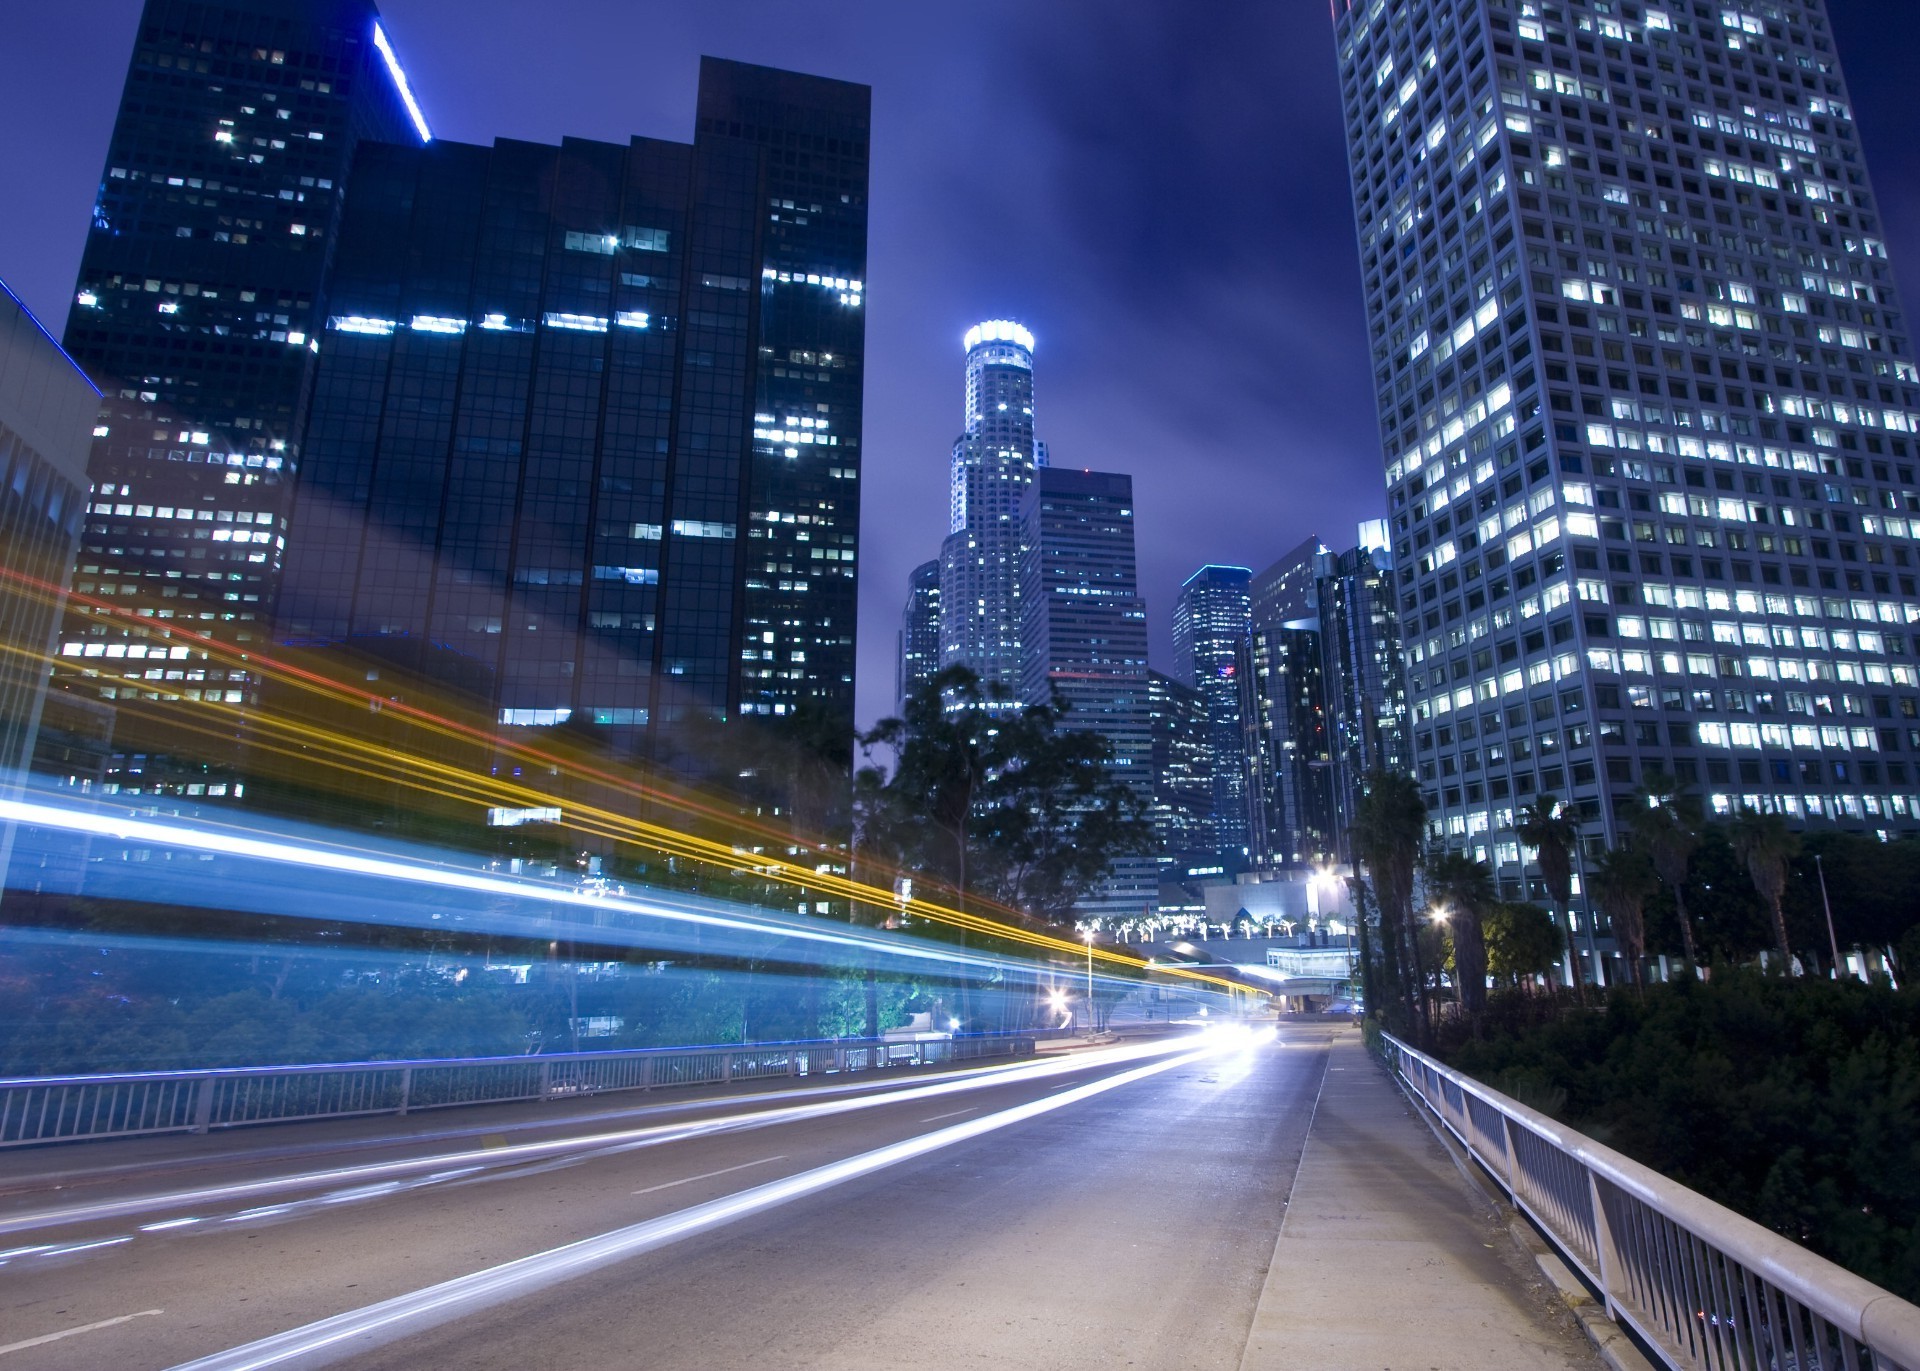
{"points": [[1119, 1208]]}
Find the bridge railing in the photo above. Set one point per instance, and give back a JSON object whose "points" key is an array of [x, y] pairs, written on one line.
{"points": [[1698, 1284], [48, 1109]]}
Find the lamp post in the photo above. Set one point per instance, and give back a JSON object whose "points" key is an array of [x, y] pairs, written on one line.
{"points": [[1092, 1024], [1832, 942]]}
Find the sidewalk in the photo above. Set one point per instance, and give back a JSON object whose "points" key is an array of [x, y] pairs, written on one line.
{"points": [[1389, 1259]]}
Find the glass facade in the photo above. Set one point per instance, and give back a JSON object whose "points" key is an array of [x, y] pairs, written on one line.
{"points": [[47, 413], [1366, 697], [1292, 816], [200, 308], [588, 416], [1084, 636], [1183, 779], [994, 462], [919, 632], [1648, 408], [1210, 617]]}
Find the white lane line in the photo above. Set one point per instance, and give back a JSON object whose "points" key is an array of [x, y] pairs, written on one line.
{"points": [[707, 1175], [358, 1330], [950, 1114], [633, 1137], [45, 1338]]}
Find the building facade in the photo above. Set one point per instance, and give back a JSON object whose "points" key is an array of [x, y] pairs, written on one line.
{"points": [[1647, 406], [1366, 699], [1084, 638], [994, 461], [1211, 615], [1293, 817], [48, 410], [919, 656], [200, 310], [1183, 789], [588, 416]]}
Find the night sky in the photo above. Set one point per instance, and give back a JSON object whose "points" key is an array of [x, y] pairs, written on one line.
{"points": [[1157, 189]]}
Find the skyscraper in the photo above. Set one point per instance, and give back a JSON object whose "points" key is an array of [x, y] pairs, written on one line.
{"points": [[47, 413], [1290, 777], [1183, 789], [919, 632], [1084, 635], [1210, 617], [994, 462], [1366, 699], [200, 310], [589, 415], [1647, 406]]}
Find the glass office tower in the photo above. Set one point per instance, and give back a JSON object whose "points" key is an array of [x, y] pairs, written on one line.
{"points": [[994, 462], [1648, 410], [1210, 617], [1084, 636], [588, 416], [919, 632], [200, 310]]}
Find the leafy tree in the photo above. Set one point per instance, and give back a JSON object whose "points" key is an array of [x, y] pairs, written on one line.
{"points": [[999, 798], [1765, 844], [1390, 823], [1623, 882], [1523, 940], [1464, 889], [1545, 827], [1665, 822]]}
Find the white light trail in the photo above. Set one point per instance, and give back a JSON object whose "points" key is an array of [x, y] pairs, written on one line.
{"points": [[618, 1140], [359, 1330]]}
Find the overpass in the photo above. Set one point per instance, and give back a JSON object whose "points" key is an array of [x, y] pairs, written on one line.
{"points": [[1316, 970], [1239, 1199]]}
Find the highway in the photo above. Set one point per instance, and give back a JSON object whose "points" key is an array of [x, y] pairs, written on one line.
{"points": [[1112, 1207]]}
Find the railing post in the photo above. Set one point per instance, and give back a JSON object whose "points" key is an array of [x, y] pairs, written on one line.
{"points": [[546, 1080], [1603, 1244], [203, 1105], [726, 1068], [793, 1061], [1513, 1170], [646, 1073], [406, 1089]]}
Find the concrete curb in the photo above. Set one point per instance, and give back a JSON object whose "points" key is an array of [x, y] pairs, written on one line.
{"points": [[1609, 1339]]}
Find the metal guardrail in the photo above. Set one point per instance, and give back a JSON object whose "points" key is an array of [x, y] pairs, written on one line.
{"points": [[1700, 1285], [48, 1109]]}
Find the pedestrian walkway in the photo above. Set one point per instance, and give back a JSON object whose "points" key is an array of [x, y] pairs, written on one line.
{"points": [[1389, 1259]]}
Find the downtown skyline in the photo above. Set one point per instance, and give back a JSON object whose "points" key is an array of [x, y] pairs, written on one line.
{"points": [[1219, 195]]}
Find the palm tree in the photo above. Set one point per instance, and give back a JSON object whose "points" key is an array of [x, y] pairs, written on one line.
{"points": [[1623, 882], [1545, 827], [1764, 843], [1465, 889], [1390, 823], [1665, 823]]}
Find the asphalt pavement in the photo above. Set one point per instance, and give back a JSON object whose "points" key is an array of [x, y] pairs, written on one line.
{"points": [[1116, 1208]]}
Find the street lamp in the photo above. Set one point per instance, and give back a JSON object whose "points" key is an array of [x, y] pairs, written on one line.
{"points": [[1832, 942], [1087, 933]]}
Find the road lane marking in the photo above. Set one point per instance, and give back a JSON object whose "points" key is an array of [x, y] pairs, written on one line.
{"points": [[950, 1114], [45, 1338], [647, 1136], [707, 1175], [359, 1330]]}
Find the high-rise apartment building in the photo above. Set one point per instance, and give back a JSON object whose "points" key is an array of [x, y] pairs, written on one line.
{"points": [[919, 657], [1084, 635], [588, 416], [200, 311], [1648, 410], [1211, 616], [994, 462]]}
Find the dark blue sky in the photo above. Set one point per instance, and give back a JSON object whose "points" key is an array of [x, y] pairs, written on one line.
{"points": [[1157, 188]]}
